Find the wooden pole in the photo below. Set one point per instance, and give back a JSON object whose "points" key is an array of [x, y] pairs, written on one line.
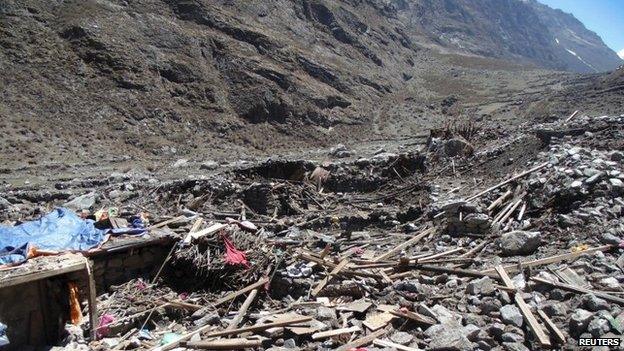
{"points": [[508, 181], [225, 344], [243, 310]]}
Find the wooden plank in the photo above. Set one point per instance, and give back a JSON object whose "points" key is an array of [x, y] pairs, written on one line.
{"points": [[242, 291], [330, 333], [571, 116], [243, 310], [504, 277], [345, 271], [532, 322], [225, 344], [580, 290], [510, 212], [569, 276], [402, 246], [31, 276], [392, 345], [259, 327], [329, 277], [499, 200], [414, 316], [475, 250], [164, 223], [549, 260], [426, 259], [363, 341], [194, 228], [455, 271], [253, 328], [507, 181], [206, 231], [550, 325], [378, 320], [359, 306], [92, 300]]}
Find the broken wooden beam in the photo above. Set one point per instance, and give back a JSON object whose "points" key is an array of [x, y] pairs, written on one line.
{"points": [[254, 328], [392, 345], [580, 290], [224, 344], [414, 316], [243, 310], [532, 322], [548, 260], [329, 277], [550, 325], [242, 291], [525, 310], [330, 333], [500, 200], [363, 341], [571, 116], [394, 251], [507, 181]]}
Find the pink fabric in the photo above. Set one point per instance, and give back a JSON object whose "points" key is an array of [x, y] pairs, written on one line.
{"points": [[234, 256], [105, 321]]}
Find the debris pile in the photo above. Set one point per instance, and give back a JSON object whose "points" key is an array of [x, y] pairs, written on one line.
{"points": [[372, 253]]}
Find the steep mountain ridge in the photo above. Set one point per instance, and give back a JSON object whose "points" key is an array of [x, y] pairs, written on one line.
{"points": [[523, 30], [111, 79]]}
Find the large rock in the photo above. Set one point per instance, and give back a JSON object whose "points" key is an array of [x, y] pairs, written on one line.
{"points": [[598, 327], [510, 314], [445, 316], [481, 286], [458, 147], [579, 321], [82, 202], [450, 337], [4, 203], [594, 303], [519, 242]]}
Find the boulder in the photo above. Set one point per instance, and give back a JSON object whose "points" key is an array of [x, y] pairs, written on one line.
{"points": [[579, 321], [449, 337], [402, 338], [598, 327], [481, 286], [458, 147], [82, 202], [519, 242], [209, 165], [510, 314], [593, 303]]}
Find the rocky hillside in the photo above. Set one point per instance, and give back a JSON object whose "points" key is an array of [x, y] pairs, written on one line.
{"points": [[514, 29], [112, 80]]}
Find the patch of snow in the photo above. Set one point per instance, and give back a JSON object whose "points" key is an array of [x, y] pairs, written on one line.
{"points": [[584, 62], [621, 54]]}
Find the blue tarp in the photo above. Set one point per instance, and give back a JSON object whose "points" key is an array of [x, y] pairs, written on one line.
{"points": [[59, 230]]}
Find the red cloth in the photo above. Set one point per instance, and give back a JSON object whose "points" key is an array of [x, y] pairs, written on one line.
{"points": [[233, 255]]}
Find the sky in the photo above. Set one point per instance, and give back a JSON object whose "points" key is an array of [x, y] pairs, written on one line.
{"points": [[605, 17]]}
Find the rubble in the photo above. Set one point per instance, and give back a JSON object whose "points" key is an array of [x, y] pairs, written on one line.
{"points": [[375, 252]]}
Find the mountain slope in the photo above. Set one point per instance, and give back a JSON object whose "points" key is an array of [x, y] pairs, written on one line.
{"points": [[107, 80], [514, 29]]}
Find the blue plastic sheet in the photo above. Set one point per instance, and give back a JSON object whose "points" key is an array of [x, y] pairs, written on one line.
{"points": [[59, 230], [4, 339]]}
